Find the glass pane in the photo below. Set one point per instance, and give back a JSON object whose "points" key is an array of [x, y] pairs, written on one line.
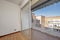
{"points": [[46, 22]]}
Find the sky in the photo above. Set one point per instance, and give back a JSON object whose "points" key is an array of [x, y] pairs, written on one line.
{"points": [[52, 10]]}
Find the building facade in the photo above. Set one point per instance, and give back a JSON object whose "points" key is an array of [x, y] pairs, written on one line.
{"points": [[51, 22]]}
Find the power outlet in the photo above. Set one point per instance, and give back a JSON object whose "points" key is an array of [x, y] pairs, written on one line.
{"points": [[14, 29]]}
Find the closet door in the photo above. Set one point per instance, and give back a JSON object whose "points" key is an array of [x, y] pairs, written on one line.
{"points": [[25, 17], [26, 20]]}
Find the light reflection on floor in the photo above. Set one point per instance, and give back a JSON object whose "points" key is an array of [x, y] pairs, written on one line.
{"points": [[33, 34]]}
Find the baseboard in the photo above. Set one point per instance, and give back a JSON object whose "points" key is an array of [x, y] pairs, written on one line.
{"points": [[10, 34]]}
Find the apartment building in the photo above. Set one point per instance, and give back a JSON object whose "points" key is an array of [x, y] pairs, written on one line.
{"points": [[51, 22], [42, 20]]}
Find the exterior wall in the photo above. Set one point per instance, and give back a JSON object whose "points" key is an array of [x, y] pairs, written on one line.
{"points": [[33, 20], [38, 18], [33, 17], [56, 18], [46, 22], [42, 20], [9, 18]]}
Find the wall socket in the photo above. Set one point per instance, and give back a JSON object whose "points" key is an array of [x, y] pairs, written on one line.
{"points": [[14, 29]]}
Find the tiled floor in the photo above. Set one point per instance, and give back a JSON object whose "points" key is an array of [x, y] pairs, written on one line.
{"points": [[49, 31], [37, 35]]}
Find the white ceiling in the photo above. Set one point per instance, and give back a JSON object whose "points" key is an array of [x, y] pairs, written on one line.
{"points": [[15, 1], [20, 1], [34, 1]]}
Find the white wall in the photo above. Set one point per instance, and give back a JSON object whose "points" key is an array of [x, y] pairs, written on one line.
{"points": [[9, 18]]}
